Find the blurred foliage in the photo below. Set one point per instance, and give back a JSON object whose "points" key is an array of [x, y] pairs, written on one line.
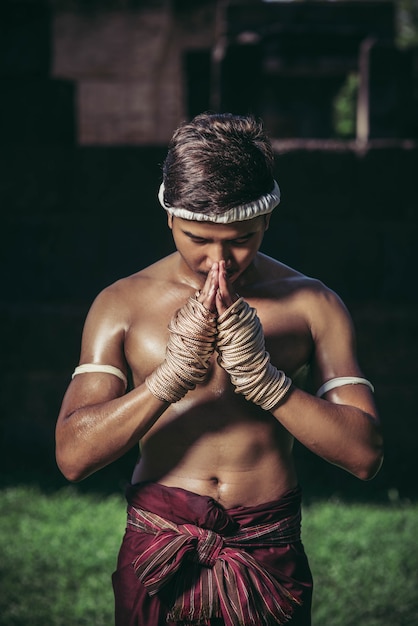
{"points": [[407, 22], [344, 108], [345, 103]]}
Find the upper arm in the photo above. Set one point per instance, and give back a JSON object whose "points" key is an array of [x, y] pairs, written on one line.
{"points": [[102, 343], [335, 350], [104, 330]]}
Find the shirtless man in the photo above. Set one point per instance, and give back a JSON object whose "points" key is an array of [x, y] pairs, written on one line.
{"points": [[215, 340]]}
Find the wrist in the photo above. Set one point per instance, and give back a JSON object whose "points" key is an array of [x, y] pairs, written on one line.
{"points": [[189, 349], [243, 355], [272, 389]]}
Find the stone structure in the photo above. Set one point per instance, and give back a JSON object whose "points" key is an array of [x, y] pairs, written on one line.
{"points": [[128, 69], [139, 71]]}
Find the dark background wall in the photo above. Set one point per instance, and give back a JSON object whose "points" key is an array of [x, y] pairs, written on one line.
{"points": [[75, 218], [78, 218]]}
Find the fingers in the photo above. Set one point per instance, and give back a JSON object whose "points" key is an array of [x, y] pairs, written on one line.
{"points": [[207, 295], [217, 294], [225, 295]]}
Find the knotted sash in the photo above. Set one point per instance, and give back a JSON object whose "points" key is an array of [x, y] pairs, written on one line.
{"points": [[204, 574]]}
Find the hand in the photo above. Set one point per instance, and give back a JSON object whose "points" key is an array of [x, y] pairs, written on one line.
{"points": [[207, 295], [225, 294], [189, 349], [217, 294], [242, 353]]}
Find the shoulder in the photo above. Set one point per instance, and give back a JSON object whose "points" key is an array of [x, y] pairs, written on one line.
{"points": [[324, 312], [116, 299], [323, 308], [287, 280], [319, 305], [133, 290]]}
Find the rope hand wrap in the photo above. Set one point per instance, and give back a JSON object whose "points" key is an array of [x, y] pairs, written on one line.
{"points": [[242, 354], [190, 346]]}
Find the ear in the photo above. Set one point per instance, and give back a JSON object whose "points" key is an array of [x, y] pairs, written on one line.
{"points": [[170, 221], [267, 221]]}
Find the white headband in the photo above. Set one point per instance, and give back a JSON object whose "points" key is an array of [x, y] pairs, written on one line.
{"points": [[261, 206]]}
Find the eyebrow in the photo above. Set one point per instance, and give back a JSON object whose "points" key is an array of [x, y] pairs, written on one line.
{"points": [[195, 236]]}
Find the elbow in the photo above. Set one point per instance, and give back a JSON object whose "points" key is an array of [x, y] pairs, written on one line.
{"points": [[372, 456], [69, 470], [370, 471], [68, 464], [371, 463], [71, 456], [71, 475]]}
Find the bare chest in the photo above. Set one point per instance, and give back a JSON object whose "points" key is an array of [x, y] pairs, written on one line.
{"points": [[287, 339]]}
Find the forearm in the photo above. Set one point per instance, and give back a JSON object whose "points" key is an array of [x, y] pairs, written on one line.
{"points": [[341, 434], [98, 424], [90, 437]]}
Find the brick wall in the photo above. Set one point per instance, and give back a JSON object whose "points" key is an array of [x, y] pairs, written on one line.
{"points": [[128, 70]]}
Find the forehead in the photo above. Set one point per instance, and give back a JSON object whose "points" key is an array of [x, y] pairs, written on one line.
{"points": [[211, 230]]}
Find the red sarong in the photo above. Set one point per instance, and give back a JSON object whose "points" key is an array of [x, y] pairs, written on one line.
{"points": [[184, 559]]}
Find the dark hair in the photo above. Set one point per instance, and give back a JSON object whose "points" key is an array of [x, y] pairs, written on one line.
{"points": [[216, 162]]}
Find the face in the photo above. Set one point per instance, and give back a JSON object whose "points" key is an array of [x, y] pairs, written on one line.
{"points": [[200, 244]]}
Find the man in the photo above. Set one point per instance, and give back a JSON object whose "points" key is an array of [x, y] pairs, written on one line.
{"points": [[217, 339]]}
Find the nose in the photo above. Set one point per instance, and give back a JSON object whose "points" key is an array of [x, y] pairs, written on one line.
{"points": [[219, 252]]}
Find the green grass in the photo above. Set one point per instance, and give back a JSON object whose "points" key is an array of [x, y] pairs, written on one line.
{"points": [[58, 551], [364, 560], [57, 555]]}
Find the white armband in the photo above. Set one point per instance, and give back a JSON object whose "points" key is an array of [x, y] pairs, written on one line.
{"points": [[340, 381], [86, 368]]}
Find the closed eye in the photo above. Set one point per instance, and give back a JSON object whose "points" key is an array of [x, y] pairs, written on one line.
{"points": [[198, 240], [241, 240]]}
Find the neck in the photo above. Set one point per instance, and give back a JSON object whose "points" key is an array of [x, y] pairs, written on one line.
{"points": [[249, 276], [186, 276]]}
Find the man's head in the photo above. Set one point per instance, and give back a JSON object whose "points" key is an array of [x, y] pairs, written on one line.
{"points": [[219, 167]]}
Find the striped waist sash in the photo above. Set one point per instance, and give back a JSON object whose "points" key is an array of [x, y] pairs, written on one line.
{"points": [[203, 574]]}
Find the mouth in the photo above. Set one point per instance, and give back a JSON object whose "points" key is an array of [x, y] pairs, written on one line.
{"points": [[232, 275]]}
